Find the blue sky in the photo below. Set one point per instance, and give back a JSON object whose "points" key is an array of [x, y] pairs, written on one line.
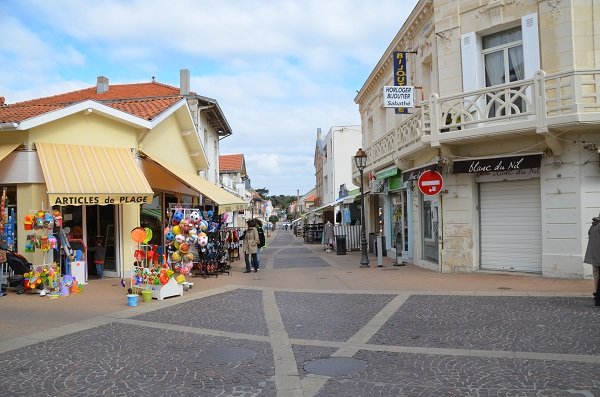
{"points": [[279, 69]]}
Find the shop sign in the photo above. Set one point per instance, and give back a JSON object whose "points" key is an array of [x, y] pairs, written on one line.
{"points": [[386, 173], [499, 164], [398, 97], [99, 199], [399, 61], [395, 182], [414, 174]]}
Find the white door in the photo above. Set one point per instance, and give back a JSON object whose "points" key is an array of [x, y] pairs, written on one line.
{"points": [[510, 219]]}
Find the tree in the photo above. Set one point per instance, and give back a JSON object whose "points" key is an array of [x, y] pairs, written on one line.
{"points": [[264, 192], [273, 219]]}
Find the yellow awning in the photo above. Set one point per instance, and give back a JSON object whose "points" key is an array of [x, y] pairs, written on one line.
{"points": [[225, 200], [7, 148], [92, 175]]}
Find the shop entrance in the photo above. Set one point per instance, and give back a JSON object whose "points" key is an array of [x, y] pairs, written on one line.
{"points": [[87, 222], [100, 222], [430, 217]]}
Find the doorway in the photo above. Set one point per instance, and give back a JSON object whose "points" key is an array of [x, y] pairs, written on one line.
{"points": [[100, 222], [430, 217]]}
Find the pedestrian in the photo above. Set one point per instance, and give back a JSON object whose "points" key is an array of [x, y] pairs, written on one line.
{"points": [[328, 236], [262, 241], [592, 255], [99, 254], [250, 247]]}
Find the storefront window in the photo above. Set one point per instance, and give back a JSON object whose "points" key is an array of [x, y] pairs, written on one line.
{"points": [[151, 217], [10, 223]]}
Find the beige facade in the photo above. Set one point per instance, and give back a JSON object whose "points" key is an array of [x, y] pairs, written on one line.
{"points": [[498, 81]]}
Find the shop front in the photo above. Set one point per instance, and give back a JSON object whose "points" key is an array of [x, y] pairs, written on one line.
{"points": [[510, 212], [427, 213]]}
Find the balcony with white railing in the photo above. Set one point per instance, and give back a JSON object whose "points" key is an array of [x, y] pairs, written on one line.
{"points": [[532, 106]]}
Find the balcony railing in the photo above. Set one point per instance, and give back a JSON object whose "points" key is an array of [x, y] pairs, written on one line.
{"points": [[526, 106]]}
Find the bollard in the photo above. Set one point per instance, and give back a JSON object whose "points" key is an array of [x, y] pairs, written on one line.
{"points": [[379, 250]]}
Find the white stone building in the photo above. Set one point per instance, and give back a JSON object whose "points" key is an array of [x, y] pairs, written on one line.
{"points": [[508, 110]]}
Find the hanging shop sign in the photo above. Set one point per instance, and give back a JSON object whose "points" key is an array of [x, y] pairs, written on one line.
{"points": [[497, 165], [430, 183], [415, 173], [399, 61]]}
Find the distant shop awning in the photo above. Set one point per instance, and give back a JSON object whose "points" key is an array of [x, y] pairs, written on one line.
{"points": [[6, 149], [225, 200], [92, 175]]}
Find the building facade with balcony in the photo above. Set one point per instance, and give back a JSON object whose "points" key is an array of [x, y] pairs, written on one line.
{"points": [[507, 111]]}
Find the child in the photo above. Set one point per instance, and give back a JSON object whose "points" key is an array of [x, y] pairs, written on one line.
{"points": [[99, 254]]}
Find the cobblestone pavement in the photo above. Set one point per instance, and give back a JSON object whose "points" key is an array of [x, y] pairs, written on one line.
{"points": [[265, 341]]}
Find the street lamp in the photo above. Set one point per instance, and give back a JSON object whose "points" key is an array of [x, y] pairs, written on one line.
{"points": [[360, 159]]}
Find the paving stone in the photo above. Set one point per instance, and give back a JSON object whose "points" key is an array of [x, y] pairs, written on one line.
{"points": [[234, 311], [512, 323], [403, 374], [295, 251], [326, 316], [298, 262], [122, 359]]}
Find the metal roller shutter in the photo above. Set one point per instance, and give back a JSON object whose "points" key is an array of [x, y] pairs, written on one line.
{"points": [[511, 226]]}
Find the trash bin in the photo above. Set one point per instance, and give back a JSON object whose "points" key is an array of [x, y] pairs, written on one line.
{"points": [[340, 244]]}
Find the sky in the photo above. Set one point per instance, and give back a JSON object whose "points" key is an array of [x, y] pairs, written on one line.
{"points": [[279, 69]]}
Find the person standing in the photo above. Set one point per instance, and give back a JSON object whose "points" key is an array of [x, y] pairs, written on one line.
{"points": [[99, 255], [250, 247], [261, 240], [592, 255]]}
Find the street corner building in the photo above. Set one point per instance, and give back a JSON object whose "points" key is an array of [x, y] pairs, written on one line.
{"points": [[106, 160], [506, 109]]}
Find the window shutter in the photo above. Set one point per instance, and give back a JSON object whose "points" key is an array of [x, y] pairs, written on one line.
{"points": [[472, 64], [531, 46]]}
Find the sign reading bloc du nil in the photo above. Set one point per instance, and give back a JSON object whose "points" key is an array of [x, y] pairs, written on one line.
{"points": [[499, 164]]}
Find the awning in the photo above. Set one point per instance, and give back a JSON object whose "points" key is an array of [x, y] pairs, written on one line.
{"points": [[92, 175], [7, 148], [225, 200], [391, 171]]}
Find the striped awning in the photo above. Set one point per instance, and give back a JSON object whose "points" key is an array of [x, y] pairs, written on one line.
{"points": [[92, 175], [6, 149], [224, 200]]}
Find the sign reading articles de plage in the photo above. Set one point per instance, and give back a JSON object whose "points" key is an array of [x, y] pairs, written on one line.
{"points": [[398, 96]]}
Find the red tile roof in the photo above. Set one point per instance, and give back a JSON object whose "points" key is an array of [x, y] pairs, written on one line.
{"points": [[144, 100], [231, 163], [310, 198], [115, 92], [15, 114]]}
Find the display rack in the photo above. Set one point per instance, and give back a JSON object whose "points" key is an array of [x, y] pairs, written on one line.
{"points": [[148, 275]]}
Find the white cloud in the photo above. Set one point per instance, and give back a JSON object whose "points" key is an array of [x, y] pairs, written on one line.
{"points": [[279, 69]]}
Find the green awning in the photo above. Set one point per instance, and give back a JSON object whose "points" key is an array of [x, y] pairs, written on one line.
{"points": [[386, 173]]}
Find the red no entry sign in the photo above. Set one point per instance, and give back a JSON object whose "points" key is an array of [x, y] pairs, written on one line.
{"points": [[430, 182]]}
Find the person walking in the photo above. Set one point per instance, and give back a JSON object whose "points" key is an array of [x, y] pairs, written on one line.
{"points": [[262, 241], [250, 247], [592, 255]]}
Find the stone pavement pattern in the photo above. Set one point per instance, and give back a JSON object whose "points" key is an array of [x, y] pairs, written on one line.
{"points": [[264, 340]]}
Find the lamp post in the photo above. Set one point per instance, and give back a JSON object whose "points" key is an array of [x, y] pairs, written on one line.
{"points": [[360, 159]]}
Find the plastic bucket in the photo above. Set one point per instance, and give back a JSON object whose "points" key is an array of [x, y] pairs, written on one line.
{"points": [[132, 300], [147, 295]]}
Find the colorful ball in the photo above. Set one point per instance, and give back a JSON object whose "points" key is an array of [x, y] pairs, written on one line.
{"points": [[177, 217]]}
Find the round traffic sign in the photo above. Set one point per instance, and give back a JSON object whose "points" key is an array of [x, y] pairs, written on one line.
{"points": [[430, 182]]}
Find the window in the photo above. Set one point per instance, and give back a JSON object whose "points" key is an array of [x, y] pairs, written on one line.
{"points": [[503, 63], [503, 57]]}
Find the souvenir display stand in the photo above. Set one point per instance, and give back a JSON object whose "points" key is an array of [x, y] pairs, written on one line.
{"points": [[47, 275], [148, 273], [196, 242]]}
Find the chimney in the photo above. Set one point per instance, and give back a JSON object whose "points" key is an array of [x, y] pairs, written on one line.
{"points": [[184, 82], [102, 85]]}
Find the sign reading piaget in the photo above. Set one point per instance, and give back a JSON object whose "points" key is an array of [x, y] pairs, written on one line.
{"points": [[398, 96]]}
